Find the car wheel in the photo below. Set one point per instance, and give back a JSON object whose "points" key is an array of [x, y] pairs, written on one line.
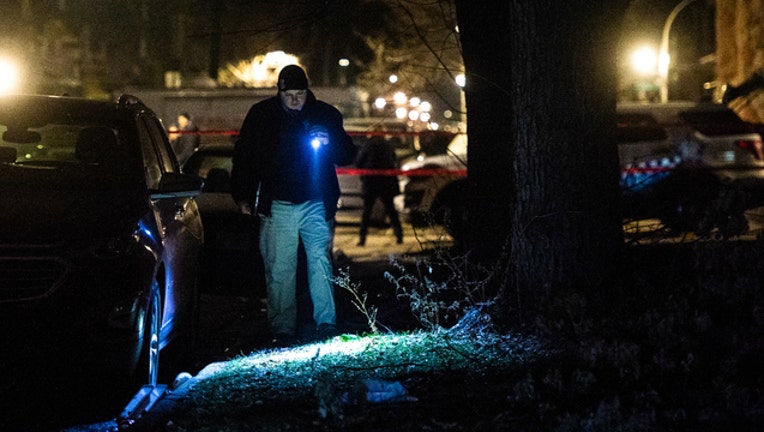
{"points": [[148, 365], [453, 210], [686, 198], [456, 221]]}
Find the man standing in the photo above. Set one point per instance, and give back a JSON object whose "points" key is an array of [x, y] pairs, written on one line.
{"points": [[284, 169], [186, 141], [378, 153]]}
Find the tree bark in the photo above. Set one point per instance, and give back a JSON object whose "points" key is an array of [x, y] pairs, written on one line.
{"points": [[541, 96], [740, 48], [740, 56]]}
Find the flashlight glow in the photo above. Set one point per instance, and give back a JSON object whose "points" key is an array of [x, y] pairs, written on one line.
{"points": [[315, 143]]}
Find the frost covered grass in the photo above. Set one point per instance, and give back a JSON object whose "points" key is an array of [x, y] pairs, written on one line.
{"points": [[324, 379]]}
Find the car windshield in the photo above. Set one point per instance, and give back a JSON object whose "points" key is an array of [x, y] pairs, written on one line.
{"points": [[62, 154], [46, 145]]}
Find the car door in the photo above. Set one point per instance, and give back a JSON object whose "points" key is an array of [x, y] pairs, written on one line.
{"points": [[179, 225]]}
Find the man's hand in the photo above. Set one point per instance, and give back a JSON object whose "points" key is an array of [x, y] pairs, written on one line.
{"points": [[245, 208], [320, 134]]}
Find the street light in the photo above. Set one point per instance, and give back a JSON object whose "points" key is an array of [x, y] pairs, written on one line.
{"points": [[644, 61], [380, 103], [9, 76], [663, 55], [344, 63]]}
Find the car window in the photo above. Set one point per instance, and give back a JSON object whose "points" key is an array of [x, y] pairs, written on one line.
{"points": [[71, 143], [716, 122], [201, 164], [151, 163], [158, 158], [66, 154], [637, 127], [161, 144], [50, 143]]}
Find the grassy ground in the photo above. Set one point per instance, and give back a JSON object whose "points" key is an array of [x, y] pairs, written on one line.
{"points": [[680, 349]]}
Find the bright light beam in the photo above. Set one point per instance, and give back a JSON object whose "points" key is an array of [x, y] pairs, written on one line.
{"points": [[9, 76]]}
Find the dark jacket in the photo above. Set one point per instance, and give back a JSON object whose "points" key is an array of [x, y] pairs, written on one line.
{"points": [[273, 158], [378, 153]]}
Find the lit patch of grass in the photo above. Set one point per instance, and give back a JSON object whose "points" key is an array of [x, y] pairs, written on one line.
{"points": [[261, 381]]}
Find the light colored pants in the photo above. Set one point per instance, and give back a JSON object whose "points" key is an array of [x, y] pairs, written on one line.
{"points": [[280, 235]]}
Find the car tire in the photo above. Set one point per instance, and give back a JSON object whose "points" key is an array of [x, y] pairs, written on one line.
{"points": [[456, 222], [453, 210], [686, 198], [147, 371]]}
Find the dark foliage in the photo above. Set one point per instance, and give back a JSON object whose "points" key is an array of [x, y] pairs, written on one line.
{"points": [[679, 349]]}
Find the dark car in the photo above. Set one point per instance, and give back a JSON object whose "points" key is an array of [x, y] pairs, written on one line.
{"points": [[694, 166], [99, 240], [434, 188], [230, 261]]}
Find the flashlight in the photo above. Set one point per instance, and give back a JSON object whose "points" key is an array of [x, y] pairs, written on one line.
{"points": [[318, 136], [315, 143]]}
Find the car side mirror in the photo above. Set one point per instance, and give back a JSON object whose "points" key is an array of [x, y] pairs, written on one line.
{"points": [[178, 185]]}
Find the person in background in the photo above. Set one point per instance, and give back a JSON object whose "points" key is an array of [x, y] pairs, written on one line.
{"points": [[184, 138], [378, 153], [284, 168]]}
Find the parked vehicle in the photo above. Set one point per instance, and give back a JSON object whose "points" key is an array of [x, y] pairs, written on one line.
{"points": [[696, 167], [99, 240], [407, 143], [693, 166], [230, 260], [434, 187]]}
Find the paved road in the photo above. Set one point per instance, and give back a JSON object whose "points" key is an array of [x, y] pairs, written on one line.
{"points": [[380, 241], [648, 231]]}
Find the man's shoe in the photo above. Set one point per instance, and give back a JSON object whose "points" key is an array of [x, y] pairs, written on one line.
{"points": [[327, 331]]}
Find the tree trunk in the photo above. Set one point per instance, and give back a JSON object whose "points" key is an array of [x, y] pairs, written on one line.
{"points": [[739, 46], [541, 95], [740, 56]]}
